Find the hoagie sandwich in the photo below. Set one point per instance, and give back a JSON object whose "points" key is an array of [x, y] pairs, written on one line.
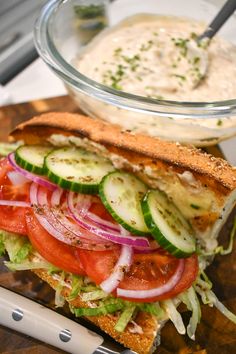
{"points": [[121, 225]]}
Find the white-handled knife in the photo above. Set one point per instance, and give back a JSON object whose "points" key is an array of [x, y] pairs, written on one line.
{"points": [[26, 316]]}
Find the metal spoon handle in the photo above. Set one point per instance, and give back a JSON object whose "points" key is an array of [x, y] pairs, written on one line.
{"points": [[226, 11]]}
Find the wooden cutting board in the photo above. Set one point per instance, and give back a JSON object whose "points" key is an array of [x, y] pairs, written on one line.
{"points": [[215, 334]]}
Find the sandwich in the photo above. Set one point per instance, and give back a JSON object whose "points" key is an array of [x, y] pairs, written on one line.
{"points": [[121, 225]]}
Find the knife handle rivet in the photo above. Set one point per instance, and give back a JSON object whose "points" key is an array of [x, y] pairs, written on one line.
{"points": [[65, 335], [17, 315]]}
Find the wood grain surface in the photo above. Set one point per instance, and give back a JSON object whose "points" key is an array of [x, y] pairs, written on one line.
{"points": [[215, 334]]}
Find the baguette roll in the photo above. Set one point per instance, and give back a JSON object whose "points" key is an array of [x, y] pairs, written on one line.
{"points": [[202, 186]]}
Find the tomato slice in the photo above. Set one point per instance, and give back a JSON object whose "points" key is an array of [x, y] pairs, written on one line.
{"points": [[147, 271], [99, 209], [12, 219], [53, 250]]}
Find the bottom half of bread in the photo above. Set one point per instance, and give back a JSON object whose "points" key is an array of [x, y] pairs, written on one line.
{"points": [[142, 342]]}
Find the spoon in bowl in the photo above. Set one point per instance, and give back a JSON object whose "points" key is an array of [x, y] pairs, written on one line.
{"points": [[197, 47]]}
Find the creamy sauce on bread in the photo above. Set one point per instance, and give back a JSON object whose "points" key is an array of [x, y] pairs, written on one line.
{"points": [[188, 194]]}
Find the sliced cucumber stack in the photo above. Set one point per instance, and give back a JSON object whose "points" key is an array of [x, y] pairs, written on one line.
{"points": [[168, 225], [31, 157], [121, 193], [76, 169]]}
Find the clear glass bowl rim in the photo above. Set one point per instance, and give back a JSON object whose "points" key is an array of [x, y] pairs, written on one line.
{"points": [[175, 109]]}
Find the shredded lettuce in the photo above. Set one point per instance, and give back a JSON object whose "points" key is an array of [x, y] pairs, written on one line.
{"points": [[27, 265], [20, 252], [59, 299], [203, 288], [18, 247], [221, 307], [2, 247], [89, 288], [125, 318], [76, 284], [103, 308], [190, 299], [174, 315], [22, 256], [51, 269], [220, 249], [94, 295], [152, 308]]}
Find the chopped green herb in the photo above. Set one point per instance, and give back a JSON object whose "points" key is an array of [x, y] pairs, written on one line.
{"points": [[193, 35], [132, 61], [196, 60], [147, 46], [182, 77], [182, 44], [117, 51], [219, 122], [116, 86], [195, 206]]}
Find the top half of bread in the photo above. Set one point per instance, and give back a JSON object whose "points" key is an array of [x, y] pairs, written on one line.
{"points": [[202, 186]]}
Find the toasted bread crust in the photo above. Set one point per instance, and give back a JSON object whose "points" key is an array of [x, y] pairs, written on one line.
{"points": [[217, 171], [140, 343]]}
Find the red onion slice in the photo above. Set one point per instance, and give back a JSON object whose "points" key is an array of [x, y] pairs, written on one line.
{"points": [[16, 178], [114, 237], [63, 219], [123, 264], [55, 225], [56, 197], [57, 218], [39, 213], [103, 224], [15, 203], [144, 294], [31, 176], [83, 204]]}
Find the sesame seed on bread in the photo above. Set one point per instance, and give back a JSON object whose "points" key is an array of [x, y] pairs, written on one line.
{"points": [[175, 154], [206, 184]]}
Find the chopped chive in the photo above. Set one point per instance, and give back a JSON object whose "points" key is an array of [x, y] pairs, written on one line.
{"points": [[195, 206]]}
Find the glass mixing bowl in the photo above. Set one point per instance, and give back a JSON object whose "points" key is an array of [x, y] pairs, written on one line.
{"points": [[59, 41]]}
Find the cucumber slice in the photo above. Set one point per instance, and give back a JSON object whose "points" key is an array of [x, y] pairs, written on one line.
{"points": [[77, 169], [168, 225], [31, 157], [121, 193]]}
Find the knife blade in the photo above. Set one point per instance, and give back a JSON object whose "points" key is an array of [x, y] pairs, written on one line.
{"points": [[29, 317]]}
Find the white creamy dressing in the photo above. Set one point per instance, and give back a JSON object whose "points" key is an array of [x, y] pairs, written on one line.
{"points": [[184, 190], [158, 57]]}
